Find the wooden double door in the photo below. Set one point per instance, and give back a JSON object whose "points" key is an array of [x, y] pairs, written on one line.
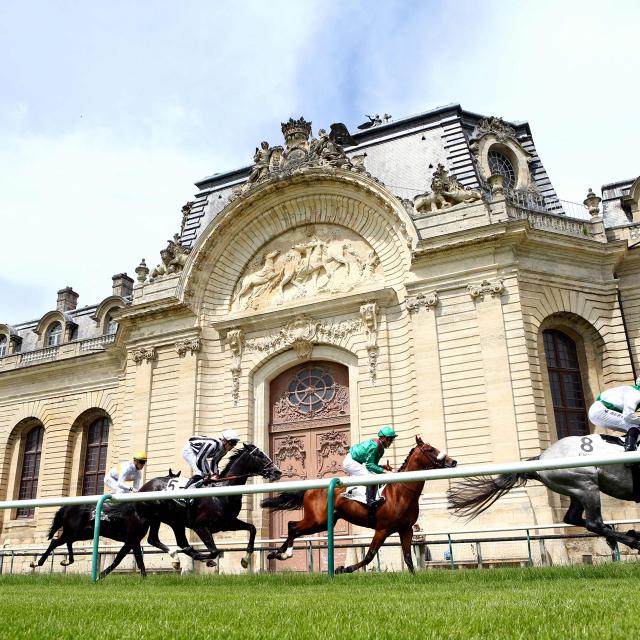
{"points": [[309, 433]]}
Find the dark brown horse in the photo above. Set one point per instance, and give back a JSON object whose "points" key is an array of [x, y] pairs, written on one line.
{"points": [[398, 513]]}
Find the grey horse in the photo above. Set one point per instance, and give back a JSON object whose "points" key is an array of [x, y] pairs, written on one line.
{"points": [[583, 485]]}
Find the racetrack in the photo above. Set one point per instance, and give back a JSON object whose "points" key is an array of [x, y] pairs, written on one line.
{"points": [[555, 602]]}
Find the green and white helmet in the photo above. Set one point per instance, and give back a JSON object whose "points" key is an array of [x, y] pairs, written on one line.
{"points": [[387, 432]]}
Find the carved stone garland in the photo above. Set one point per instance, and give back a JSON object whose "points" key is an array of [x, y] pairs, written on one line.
{"points": [[369, 313], [235, 339]]}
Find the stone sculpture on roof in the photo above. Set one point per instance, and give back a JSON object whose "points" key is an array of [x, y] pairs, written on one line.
{"points": [[173, 258], [446, 192], [299, 153]]}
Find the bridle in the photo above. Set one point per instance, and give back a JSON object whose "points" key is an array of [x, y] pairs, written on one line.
{"points": [[437, 461]]}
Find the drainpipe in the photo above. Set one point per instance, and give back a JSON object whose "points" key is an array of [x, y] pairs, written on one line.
{"points": [[626, 331]]}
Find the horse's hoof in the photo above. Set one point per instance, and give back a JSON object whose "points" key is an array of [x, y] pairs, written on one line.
{"points": [[211, 563], [176, 566], [339, 570], [272, 556], [33, 565], [64, 563], [244, 562]]}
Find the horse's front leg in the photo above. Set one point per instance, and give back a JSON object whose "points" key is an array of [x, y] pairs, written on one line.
{"points": [[118, 559], [154, 540], [205, 535], [595, 524], [378, 538], [241, 525], [406, 535]]}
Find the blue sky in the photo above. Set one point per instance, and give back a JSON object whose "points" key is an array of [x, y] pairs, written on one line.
{"points": [[110, 111]]}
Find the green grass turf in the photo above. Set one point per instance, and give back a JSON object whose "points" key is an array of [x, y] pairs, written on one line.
{"points": [[559, 602]]}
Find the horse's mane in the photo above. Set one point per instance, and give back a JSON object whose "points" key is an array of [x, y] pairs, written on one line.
{"points": [[406, 460], [234, 456]]}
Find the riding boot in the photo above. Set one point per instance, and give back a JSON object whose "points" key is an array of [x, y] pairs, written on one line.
{"points": [[372, 503], [631, 439], [193, 480]]}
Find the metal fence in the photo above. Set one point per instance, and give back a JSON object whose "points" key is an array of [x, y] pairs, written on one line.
{"points": [[329, 484]]}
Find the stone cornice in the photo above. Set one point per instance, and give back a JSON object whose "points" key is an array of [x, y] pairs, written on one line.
{"points": [[319, 308], [169, 306]]}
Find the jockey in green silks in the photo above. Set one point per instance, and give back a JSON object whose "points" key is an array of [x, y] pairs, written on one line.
{"points": [[363, 459]]}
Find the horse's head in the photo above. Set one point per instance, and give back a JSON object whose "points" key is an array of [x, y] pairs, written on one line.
{"points": [[257, 462], [433, 459], [174, 475]]}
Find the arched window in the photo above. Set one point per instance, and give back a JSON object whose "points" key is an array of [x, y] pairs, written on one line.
{"points": [[3, 346], [566, 384], [95, 458], [30, 469], [54, 334], [110, 325], [499, 163]]}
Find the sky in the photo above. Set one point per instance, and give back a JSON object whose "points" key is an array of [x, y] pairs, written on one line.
{"points": [[109, 112]]}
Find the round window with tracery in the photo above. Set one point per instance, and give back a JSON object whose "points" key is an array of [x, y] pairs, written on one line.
{"points": [[311, 390]]}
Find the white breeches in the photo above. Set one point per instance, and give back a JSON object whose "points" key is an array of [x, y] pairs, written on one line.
{"points": [[354, 468], [112, 484], [190, 457], [607, 419]]}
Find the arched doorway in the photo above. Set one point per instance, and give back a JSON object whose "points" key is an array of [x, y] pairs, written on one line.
{"points": [[309, 435]]}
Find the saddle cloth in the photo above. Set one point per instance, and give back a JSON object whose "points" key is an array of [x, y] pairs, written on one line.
{"points": [[359, 494]]}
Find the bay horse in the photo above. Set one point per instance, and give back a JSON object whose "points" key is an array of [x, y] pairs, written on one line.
{"points": [[470, 497], [398, 513], [208, 515], [121, 522]]}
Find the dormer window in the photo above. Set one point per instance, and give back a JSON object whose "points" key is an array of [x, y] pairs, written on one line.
{"points": [[3, 346], [110, 325], [54, 334], [500, 164]]}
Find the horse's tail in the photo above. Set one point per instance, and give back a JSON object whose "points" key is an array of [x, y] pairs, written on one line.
{"points": [[284, 501], [470, 497], [57, 522]]}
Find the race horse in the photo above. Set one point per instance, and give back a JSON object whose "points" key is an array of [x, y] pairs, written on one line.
{"points": [[208, 515], [470, 497], [121, 522], [398, 513]]}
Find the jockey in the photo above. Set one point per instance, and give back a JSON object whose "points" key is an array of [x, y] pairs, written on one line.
{"points": [[616, 409], [363, 458], [130, 471], [203, 454]]}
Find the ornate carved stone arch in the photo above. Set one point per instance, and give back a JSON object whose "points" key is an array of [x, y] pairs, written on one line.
{"points": [[338, 199]]}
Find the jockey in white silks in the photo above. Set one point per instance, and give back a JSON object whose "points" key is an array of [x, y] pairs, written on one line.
{"points": [[616, 409], [130, 471], [204, 454]]}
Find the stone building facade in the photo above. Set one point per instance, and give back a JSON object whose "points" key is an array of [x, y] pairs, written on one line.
{"points": [[422, 273]]}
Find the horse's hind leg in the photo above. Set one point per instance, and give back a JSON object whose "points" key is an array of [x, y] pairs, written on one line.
{"points": [[70, 559], [378, 538], [56, 542], [574, 514], [296, 529]]}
